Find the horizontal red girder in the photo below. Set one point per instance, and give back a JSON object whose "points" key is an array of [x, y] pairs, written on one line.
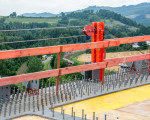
{"points": [[55, 49], [133, 39], [73, 47], [50, 73]]}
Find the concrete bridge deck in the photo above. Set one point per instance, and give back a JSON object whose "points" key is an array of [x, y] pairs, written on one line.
{"points": [[131, 104], [122, 96]]}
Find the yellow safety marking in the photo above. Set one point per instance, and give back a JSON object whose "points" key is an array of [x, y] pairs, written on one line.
{"points": [[108, 102]]}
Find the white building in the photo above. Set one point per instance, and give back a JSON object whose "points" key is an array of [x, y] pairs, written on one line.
{"points": [[135, 45]]}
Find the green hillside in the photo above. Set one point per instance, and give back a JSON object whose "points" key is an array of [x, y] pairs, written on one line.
{"points": [[132, 11], [33, 19], [139, 13]]}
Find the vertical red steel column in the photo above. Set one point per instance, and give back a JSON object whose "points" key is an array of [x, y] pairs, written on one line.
{"points": [[58, 66], [93, 51], [149, 64], [98, 54]]}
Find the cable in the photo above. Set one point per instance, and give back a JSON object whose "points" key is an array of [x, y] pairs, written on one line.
{"points": [[127, 43], [40, 29], [42, 39], [111, 32]]}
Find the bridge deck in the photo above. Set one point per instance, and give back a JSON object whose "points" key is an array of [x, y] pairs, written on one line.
{"points": [[126, 105]]}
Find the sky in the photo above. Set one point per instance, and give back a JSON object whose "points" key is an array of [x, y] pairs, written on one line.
{"points": [[57, 6]]}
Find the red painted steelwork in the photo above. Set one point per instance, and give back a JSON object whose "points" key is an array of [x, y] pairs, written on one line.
{"points": [[55, 49], [73, 47], [93, 51], [28, 77], [133, 39], [149, 65], [98, 53], [50, 73], [58, 66], [88, 30]]}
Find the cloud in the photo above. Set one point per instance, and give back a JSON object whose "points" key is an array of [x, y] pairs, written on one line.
{"points": [[57, 6]]}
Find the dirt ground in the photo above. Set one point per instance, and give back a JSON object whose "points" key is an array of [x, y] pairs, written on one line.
{"points": [[87, 57]]}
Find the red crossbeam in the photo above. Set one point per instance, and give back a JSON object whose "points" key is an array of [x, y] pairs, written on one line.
{"points": [[50, 73], [55, 49], [72, 47]]}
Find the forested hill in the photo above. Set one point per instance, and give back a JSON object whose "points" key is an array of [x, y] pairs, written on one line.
{"points": [[45, 14], [139, 9], [90, 15], [139, 13]]}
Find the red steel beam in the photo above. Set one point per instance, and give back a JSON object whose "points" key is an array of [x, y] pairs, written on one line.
{"points": [[98, 53], [55, 49], [133, 39], [149, 65], [73, 47], [28, 77], [50, 73], [68, 70], [58, 66]]}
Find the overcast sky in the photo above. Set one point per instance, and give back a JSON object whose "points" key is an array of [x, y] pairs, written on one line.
{"points": [[57, 6]]}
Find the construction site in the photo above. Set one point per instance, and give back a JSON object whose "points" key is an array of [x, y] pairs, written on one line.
{"points": [[115, 86]]}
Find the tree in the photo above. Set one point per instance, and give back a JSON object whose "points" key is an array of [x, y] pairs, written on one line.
{"points": [[62, 14], [34, 64], [53, 61], [143, 45], [78, 22], [64, 20], [3, 68], [13, 15], [94, 18]]}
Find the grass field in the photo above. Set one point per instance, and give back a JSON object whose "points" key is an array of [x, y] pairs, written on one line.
{"points": [[87, 57], [46, 65], [51, 20], [30, 20], [20, 68], [131, 16], [74, 58], [54, 20]]}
